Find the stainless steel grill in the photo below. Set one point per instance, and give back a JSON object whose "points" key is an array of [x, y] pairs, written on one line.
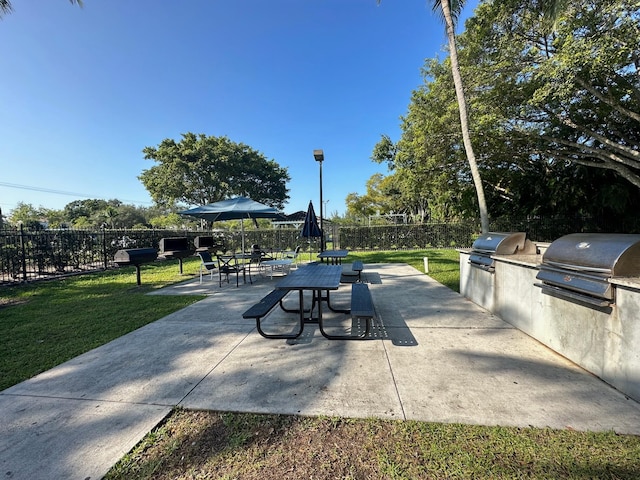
{"points": [[579, 266], [495, 243]]}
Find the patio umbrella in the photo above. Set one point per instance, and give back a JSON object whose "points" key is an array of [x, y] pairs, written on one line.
{"points": [[310, 228], [237, 208]]}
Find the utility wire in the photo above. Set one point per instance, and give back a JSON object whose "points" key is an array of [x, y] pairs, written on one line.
{"points": [[58, 192]]}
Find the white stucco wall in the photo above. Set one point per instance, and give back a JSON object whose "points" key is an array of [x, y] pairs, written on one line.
{"points": [[606, 343]]}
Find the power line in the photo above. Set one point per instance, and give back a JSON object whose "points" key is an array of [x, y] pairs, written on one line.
{"points": [[41, 189], [58, 192]]}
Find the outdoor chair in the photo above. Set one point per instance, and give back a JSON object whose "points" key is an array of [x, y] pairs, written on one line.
{"points": [[254, 262], [292, 255], [228, 265], [207, 264], [255, 248]]}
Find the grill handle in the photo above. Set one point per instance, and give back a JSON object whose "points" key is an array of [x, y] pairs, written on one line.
{"points": [[568, 294]]}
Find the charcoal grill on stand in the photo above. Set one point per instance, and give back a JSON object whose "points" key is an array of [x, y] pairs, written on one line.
{"points": [[135, 257], [496, 243], [175, 247], [207, 243], [579, 266]]}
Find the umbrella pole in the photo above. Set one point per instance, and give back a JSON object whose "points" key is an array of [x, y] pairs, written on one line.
{"points": [[242, 230]]}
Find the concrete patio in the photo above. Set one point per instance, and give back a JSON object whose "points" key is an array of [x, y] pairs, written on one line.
{"points": [[432, 356]]}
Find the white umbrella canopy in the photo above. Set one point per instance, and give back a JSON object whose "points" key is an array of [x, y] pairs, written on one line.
{"points": [[237, 208]]}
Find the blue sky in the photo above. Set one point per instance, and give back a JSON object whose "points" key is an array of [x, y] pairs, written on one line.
{"points": [[84, 90]]}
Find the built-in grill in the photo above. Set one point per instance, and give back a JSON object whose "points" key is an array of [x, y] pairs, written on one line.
{"points": [[496, 243], [175, 247], [135, 257], [579, 266]]}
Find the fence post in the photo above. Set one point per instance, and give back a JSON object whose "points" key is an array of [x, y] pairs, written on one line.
{"points": [[104, 247], [24, 254]]}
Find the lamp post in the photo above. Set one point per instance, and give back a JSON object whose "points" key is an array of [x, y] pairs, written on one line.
{"points": [[319, 156]]}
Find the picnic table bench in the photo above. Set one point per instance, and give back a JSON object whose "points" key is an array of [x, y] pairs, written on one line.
{"points": [[352, 273], [262, 309], [361, 308]]}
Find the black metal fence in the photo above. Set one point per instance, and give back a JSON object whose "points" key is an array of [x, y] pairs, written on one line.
{"points": [[27, 255], [407, 237]]}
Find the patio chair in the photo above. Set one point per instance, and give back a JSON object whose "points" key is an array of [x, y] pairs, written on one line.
{"points": [[255, 248], [207, 264], [254, 262], [228, 265], [292, 255]]}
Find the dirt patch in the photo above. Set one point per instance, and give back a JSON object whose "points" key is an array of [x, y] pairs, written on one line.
{"points": [[9, 302]]}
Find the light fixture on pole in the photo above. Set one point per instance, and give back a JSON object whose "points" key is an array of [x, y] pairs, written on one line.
{"points": [[319, 156]]}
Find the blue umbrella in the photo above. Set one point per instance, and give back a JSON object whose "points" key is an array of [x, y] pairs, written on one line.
{"points": [[237, 208], [311, 228]]}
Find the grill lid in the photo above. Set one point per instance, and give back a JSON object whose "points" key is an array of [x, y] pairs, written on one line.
{"points": [[169, 244], [503, 243], [578, 266], [609, 254], [495, 243], [135, 256]]}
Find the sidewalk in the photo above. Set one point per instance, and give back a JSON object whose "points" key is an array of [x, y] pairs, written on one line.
{"points": [[434, 356]]}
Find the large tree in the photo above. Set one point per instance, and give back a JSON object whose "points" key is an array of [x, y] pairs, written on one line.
{"points": [[202, 169], [572, 91], [450, 10], [523, 172]]}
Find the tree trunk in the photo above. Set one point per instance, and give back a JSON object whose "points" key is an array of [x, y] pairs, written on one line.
{"points": [[464, 121]]}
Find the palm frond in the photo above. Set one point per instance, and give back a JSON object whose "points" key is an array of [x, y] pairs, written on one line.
{"points": [[455, 6]]}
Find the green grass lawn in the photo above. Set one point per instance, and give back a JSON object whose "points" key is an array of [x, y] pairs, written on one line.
{"points": [[443, 263], [44, 324], [225, 445]]}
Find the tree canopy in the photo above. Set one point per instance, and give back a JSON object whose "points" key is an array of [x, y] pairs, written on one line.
{"points": [[547, 105], [201, 169], [573, 93]]}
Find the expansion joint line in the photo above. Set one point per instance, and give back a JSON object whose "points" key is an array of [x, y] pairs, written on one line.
{"points": [[395, 385]]}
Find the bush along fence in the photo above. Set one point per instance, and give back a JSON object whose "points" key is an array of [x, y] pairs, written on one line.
{"points": [[27, 255]]}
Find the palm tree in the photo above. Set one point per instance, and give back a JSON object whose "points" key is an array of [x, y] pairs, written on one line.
{"points": [[5, 6], [449, 11], [110, 214]]}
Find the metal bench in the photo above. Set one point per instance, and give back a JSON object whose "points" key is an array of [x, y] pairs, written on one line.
{"points": [[361, 308], [352, 273], [262, 309]]}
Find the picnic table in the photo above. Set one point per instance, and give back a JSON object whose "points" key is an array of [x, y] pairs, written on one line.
{"points": [[333, 256], [320, 280]]}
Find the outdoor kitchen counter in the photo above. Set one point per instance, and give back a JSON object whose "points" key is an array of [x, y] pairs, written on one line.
{"points": [[532, 261], [630, 282]]}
